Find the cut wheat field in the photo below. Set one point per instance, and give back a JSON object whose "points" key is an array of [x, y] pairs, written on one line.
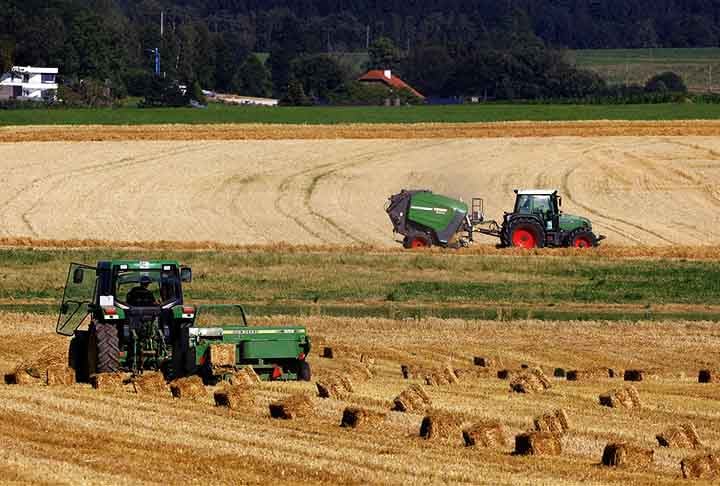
{"points": [[76, 434], [650, 190]]}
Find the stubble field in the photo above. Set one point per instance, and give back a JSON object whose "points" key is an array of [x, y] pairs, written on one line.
{"points": [[293, 218]]}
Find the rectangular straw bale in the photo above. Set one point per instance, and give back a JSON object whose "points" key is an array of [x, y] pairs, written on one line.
{"points": [[486, 362], [622, 454], [682, 436], [190, 387], [334, 386], [295, 406], [704, 466], [413, 399], [555, 422], [633, 375], [445, 376], [488, 434], [222, 355], [538, 444], [245, 377], [559, 373], [409, 372], [505, 374], [626, 397], [151, 383], [367, 359], [328, 352], [441, 425], [588, 374], [358, 372], [22, 377], [709, 376], [60, 375], [108, 381], [533, 381], [234, 397], [357, 417]]}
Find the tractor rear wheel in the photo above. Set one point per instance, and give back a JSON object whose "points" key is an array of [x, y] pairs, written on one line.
{"points": [[417, 240], [304, 373], [103, 348], [581, 238], [524, 233]]}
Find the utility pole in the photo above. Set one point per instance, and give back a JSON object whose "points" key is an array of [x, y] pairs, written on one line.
{"points": [[367, 37], [162, 23]]}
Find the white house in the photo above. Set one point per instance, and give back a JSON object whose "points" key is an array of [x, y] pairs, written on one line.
{"points": [[29, 83]]}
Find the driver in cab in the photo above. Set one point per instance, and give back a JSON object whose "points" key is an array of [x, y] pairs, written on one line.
{"points": [[141, 295]]}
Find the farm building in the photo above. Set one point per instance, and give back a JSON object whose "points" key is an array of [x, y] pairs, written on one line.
{"points": [[386, 77], [29, 83]]}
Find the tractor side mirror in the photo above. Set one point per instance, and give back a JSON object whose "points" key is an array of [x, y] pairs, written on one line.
{"points": [[186, 274], [78, 275]]}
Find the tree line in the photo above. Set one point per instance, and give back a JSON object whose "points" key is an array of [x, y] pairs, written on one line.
{"points": [[495, 49]]}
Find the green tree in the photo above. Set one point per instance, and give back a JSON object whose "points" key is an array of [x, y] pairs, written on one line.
{"points": [[296, 94], [252, 78], [383, 54], [319, 75], [667, 81]]}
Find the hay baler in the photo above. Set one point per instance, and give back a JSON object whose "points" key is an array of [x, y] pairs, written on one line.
{"points": [[426, 219], [137, 320]]}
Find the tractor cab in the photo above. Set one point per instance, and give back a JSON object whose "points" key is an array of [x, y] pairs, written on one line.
{"points": [[542, 203]]}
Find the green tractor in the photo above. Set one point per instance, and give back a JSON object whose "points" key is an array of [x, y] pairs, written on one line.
{"points": [[137, 320], [426, 219]]}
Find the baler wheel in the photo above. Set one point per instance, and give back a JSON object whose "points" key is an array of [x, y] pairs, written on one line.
{"points": [[304, 373], [103, 348], [417, 240]]}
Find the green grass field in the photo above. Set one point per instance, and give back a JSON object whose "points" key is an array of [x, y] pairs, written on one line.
{"points": [[332, 115], [403, 285]]}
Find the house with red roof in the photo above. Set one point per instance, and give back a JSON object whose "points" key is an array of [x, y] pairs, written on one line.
{"points": [[380, 76]]}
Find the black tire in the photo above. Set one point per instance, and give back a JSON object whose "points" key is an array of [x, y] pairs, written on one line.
{"points": [[417, 240], [103, 348], [304, 372], [78, 356], [581, 238], [529, 225]]}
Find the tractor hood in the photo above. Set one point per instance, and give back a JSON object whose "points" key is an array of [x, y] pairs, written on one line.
{"points": [[571, 222]]}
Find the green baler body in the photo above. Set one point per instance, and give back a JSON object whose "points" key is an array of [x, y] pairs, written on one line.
{"points": [[434, 211], [263, 348]]}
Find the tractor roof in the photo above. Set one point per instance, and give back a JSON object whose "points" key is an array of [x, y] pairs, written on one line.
{"points": [[536, 192], [144, 264]]}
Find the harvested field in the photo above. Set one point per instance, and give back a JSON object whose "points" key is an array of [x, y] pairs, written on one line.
{"points": [[656, 190], [208, 441]]}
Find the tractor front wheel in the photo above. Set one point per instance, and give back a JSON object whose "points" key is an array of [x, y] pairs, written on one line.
{"points": [[103, 348], [525, 233], [582, 239], [417, 240]]}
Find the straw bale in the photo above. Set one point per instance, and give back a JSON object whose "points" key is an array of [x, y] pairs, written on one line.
{"points": [[328, 352], [445, 376], [681, 435], [633, 375], [222, 355], [626, 397], [358, 417], [704, 466], [334, 386], [622, 454], [709, 376], [151, 383], [60, 375], [295, 406], [555, 422], [246, 376], [108, 381], [413, 399], [487, 434], [358, 372], [533, 381], [559, 373], [191, 387], [538, 444], [588, 374], [505, 374], [366, 359], [486, 362], [441, 425], [234, 397]]}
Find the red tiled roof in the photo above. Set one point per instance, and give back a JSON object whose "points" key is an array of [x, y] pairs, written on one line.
{"points": [[392, 81]]}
